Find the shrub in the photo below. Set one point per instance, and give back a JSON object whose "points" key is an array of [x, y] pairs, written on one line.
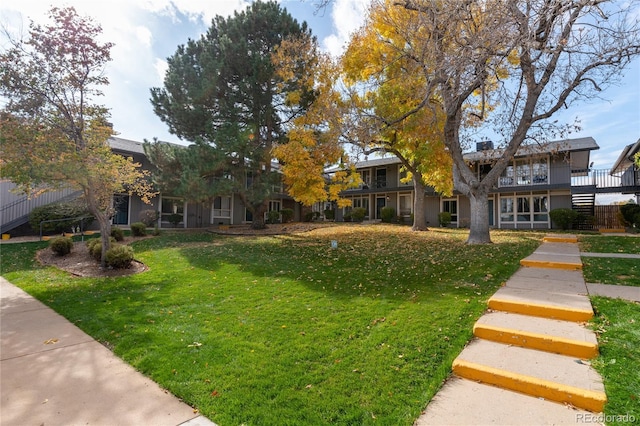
{"points": [[444, 218], [94, 246], [329, 214], [119, 256], [117, 233], [273, 216], [287, 215], [564, 218], [347, 217], [58, 212], [148, 217], [175, 219], [308, 216], [61, 245], [387, 214], [358, 214], [138, 229], [630, 214]]}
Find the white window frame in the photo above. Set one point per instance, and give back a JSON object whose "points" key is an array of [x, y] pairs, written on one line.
{"points": [[526, 172], [454, 216], [222, 212], [365, 175], [400, 197], [178, 207], [524, 210]]}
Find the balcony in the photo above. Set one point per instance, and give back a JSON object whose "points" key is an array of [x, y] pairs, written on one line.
{"points": [[601, 181]]}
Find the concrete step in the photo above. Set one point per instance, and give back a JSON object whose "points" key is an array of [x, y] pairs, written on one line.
{"points": [[466, 402], [561, 337], [566, 307], [611, 230], [541, 260], [560, 238], [555, 255], [541, 374]]}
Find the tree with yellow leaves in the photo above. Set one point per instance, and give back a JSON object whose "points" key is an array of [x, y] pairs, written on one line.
{"points": [[366, 104]]}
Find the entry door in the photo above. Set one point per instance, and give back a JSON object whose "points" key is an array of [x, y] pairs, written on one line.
{"points": [[121, 206], [380, 203]]}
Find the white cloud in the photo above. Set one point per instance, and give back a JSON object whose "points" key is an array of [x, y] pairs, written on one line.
{"points": [[194, 9], [161, 67], [144, 35], [347, 16]]}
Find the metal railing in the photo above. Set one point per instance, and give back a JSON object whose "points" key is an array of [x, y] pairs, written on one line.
{"points": [[602, 179], [15, 209]]}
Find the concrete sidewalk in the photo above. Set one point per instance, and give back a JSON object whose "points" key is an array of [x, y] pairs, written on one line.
{"points": [[527, 363], [55, 374]]}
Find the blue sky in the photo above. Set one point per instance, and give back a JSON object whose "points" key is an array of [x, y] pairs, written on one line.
{"points": [[146, 32]]}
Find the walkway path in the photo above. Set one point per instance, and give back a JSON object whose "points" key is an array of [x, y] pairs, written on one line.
{"points": [[527, 363], [55, 374]]}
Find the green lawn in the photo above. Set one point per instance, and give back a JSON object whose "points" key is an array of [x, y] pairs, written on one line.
{"points": [[615, 271], [287, 330], [609, 244], [617, 323]]}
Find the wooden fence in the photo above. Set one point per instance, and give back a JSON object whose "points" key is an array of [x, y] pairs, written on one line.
{"points": [[607, 217]]}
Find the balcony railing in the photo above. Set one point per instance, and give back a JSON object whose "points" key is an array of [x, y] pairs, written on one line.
{"points": [[377, 184], [602, 179]]}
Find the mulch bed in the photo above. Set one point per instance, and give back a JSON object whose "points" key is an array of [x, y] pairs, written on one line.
{"points": [[80, 263]]}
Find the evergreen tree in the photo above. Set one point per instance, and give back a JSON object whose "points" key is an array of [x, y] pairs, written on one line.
{"points": [[222, 92]]}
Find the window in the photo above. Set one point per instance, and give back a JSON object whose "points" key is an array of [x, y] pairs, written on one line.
{"points": [[483, 170], [381, 178], [366, 178], [540, 171], [405, 204], [523, 172], [121, 207], [359, 202], [540, 208], [451, 206], [528, 209], [222, 207], [172, 210], [506, 209], [524, 209], [526, 172], [274, 206], [506, 179]]}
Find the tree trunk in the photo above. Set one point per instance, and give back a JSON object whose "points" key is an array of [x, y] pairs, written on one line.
{"points": [[104, 222], [419, 217], [258, 216], [105, 234], [479, 227]]}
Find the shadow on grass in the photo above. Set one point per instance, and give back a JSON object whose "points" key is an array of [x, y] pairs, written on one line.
{"points": [[381, 261]]}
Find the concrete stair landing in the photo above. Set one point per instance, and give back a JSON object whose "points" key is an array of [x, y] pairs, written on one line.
{"points": [[532, 342]]}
